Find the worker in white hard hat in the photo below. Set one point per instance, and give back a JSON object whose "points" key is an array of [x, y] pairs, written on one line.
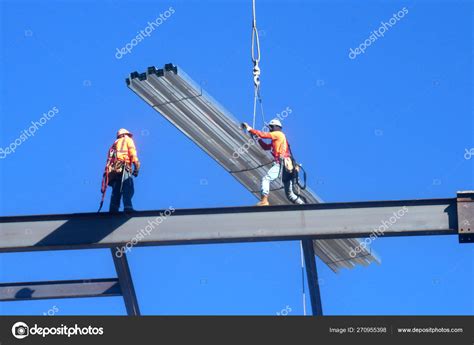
{"points": [[118, 172], [282, 165]]}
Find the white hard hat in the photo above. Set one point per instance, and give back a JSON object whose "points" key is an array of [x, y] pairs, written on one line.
{"points": [[123, 131], [275, 122]]}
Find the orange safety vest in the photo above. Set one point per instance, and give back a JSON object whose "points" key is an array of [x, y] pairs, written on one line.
{"points": [[126, 151]]}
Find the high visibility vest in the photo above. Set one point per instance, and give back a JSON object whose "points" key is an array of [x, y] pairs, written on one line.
{"points": [[279, 145], [126, 151]]}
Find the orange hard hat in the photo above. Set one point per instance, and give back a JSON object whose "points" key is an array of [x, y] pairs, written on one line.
{"points": [[123, 131]]}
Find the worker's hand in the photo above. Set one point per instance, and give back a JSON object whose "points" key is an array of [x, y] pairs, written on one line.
{"points": [[136, 169], [246, 126]]}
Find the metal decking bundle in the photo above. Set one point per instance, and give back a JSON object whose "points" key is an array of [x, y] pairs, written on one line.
{"points": [[203, 120]]}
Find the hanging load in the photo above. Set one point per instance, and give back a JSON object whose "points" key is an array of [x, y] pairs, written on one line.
{"points": [[202, 119]]}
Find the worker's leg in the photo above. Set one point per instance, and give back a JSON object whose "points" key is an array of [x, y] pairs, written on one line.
{"points": [[271, 175], [290, 193], [115, 198], [128, 190]]}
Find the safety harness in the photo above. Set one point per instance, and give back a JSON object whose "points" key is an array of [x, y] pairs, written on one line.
{"points": [[113, 169]]}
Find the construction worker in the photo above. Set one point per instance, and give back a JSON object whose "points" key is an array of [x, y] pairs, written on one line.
{"points": [[122, 155], [283, 164]]}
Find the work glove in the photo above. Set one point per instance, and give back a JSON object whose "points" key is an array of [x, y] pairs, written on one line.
{"points": [[246, 126], [136, 168]]}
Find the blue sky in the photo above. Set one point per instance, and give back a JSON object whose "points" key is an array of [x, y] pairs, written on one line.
{"points": [[393, 123]]}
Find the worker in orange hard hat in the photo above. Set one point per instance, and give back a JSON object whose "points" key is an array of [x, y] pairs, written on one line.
{"points": [[118, 172], [283, 165]]}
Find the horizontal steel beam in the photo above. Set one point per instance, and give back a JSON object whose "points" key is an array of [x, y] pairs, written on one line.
{"points": [[233, 224], [60, 289]]}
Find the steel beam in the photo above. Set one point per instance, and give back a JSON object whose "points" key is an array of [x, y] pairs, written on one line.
{"points": [[312, 276], [59, 289], [465, 210], [233, 224], [126, 283]]}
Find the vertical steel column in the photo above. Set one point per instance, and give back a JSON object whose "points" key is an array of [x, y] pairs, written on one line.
{"points": [[312, 276], [465, 215], [126, 284]]}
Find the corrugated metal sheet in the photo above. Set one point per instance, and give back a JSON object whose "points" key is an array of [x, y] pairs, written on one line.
{"points": [[202, 119]]}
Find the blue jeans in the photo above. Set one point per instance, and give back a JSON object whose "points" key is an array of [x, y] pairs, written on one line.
{"points": [[271, 175], [127, 192]]}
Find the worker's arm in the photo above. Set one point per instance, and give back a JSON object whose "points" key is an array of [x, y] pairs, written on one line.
{"points": [[136, 168], [132, 153], [260, 134], [264, 145]]}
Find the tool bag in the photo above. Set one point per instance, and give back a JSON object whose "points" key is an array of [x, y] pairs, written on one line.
{"points": [[289, 164], [115, 171]]}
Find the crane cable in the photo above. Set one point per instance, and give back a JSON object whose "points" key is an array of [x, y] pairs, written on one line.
{"points": [[256, 68]]}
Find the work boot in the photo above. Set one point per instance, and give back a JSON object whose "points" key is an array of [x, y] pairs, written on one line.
{"points": [[299, 201], [263, 201]]}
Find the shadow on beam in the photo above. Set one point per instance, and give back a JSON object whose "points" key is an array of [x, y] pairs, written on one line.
{"points": [[78, 231], [60, 289]]}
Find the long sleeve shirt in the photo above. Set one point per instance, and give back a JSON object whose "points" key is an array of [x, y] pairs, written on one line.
{"points": [[278, 146]]}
